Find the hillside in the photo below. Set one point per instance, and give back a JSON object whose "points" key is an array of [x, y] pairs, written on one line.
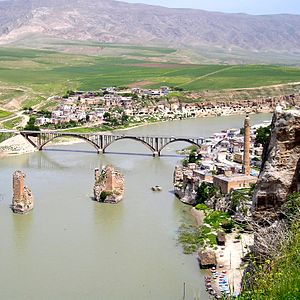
{"points": [[119, 22], [29, 77]]}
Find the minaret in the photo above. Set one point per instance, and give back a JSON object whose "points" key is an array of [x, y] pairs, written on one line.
{"points": [[246, 162]]}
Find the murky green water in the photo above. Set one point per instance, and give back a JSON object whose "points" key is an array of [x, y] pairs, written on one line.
{"points": [[70, 247]]}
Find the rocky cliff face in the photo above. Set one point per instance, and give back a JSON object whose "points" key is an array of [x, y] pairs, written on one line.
{"points": [[109, 185], [281, 171], [22, 196], [185, 185]]}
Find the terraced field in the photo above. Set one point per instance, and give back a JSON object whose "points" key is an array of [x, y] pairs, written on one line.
{"points": [[4, 114], [31, 76]]}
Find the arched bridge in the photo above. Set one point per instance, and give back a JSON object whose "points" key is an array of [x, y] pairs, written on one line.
{"points": [[39, 139]]}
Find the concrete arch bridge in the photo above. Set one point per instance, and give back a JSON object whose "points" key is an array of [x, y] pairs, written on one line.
{"points": [[100, 141]]}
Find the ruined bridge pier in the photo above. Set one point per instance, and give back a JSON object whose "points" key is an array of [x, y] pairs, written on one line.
{"points": [[100, 141]]}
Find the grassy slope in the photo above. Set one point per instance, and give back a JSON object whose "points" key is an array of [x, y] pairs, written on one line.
{"points": [[279, 278], [39, 74], [4, 114], [11, 124], [282, 280]]}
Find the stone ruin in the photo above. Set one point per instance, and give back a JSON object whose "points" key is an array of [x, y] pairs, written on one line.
{"points": [[280, 175], [109, 185], [22, 201], [207, 259]]}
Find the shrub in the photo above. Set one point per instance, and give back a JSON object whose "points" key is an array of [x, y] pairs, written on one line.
{"points": [[30, 125], [201, 206], [228, 225], [262, 135], [204, 192], [104, 195], [216, 218]]}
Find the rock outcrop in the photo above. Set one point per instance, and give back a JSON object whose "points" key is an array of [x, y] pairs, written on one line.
{"points": [[185, 185], [22, 201], [280, 175], [109, 185]]}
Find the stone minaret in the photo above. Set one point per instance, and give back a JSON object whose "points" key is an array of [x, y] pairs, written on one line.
{"points": [[246, 161]]}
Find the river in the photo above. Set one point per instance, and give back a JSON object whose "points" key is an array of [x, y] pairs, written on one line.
{"points": [[70, 247]]}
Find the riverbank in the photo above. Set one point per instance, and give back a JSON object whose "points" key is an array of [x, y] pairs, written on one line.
{"points": [[18, 145], [229, 257]]}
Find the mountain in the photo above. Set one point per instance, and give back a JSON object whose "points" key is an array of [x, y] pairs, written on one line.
{"points": [[120, 22]]}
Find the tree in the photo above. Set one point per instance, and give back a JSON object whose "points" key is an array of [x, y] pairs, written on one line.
{"points": [[192, 157], [135, 97], [125, 118], [30, 125], [262, 135], [204, 192], [106, 116]]}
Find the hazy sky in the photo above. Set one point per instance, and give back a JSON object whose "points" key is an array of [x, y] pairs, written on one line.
{"points": [[246, 6]]}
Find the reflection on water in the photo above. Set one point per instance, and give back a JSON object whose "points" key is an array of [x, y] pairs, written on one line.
{"points": [[22, 228], [70, 247]]}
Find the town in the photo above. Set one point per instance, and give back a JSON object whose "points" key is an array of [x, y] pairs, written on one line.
{"points": [[227, 160], [114, 107]]}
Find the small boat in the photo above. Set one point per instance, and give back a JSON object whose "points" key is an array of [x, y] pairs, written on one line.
{"points": [[156, 188]]}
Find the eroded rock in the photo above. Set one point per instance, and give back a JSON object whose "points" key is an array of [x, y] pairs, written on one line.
{"points": [[280, 175]]}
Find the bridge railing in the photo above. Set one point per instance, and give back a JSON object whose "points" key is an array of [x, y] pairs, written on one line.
{"points": [[98, 133]]}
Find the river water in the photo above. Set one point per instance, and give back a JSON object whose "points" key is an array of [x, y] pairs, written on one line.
{"points": [[70, 247]]}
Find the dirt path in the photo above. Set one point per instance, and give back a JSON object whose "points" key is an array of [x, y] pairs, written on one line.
{"points": [[24, 121], [231, 258], [207, 75]]}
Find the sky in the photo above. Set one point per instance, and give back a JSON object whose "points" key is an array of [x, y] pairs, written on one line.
{"points": [[256, 7]]}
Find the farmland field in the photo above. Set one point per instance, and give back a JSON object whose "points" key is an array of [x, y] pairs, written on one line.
{"points": [[42, 73], [4, 114]]}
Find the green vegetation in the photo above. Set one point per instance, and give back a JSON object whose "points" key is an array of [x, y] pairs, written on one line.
{"points": [[30, 125], [194, 237], [216, 219], [201, 206], [70, 124], [104, 195], [4, 114], [13, 123], [262, 135], [116, 117], [39, 74], [205, 191], [239, 197], [5, 136], [192, 158], [279, 278]]}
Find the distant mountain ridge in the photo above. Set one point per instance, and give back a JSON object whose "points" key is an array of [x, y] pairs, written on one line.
{"points": [[120, 22]]}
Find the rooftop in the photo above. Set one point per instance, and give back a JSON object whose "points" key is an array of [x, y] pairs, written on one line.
{"points": [[235, 177]]}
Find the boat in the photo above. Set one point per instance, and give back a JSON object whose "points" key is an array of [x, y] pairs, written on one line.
{"points": [[156, 188]]}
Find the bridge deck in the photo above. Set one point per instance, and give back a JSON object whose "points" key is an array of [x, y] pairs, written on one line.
{"points": [[100, 140]]}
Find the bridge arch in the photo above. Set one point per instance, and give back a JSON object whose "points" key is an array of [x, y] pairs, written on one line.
{"points": [[130, 138], [70, 135], [178, 140]]}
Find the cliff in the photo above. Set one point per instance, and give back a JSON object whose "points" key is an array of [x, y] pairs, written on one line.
{"points": [[185, 185], [22, 201], [280, 175], [109, 185]]}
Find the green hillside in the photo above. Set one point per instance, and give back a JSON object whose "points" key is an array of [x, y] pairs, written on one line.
{"points": [[33, 75]]}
